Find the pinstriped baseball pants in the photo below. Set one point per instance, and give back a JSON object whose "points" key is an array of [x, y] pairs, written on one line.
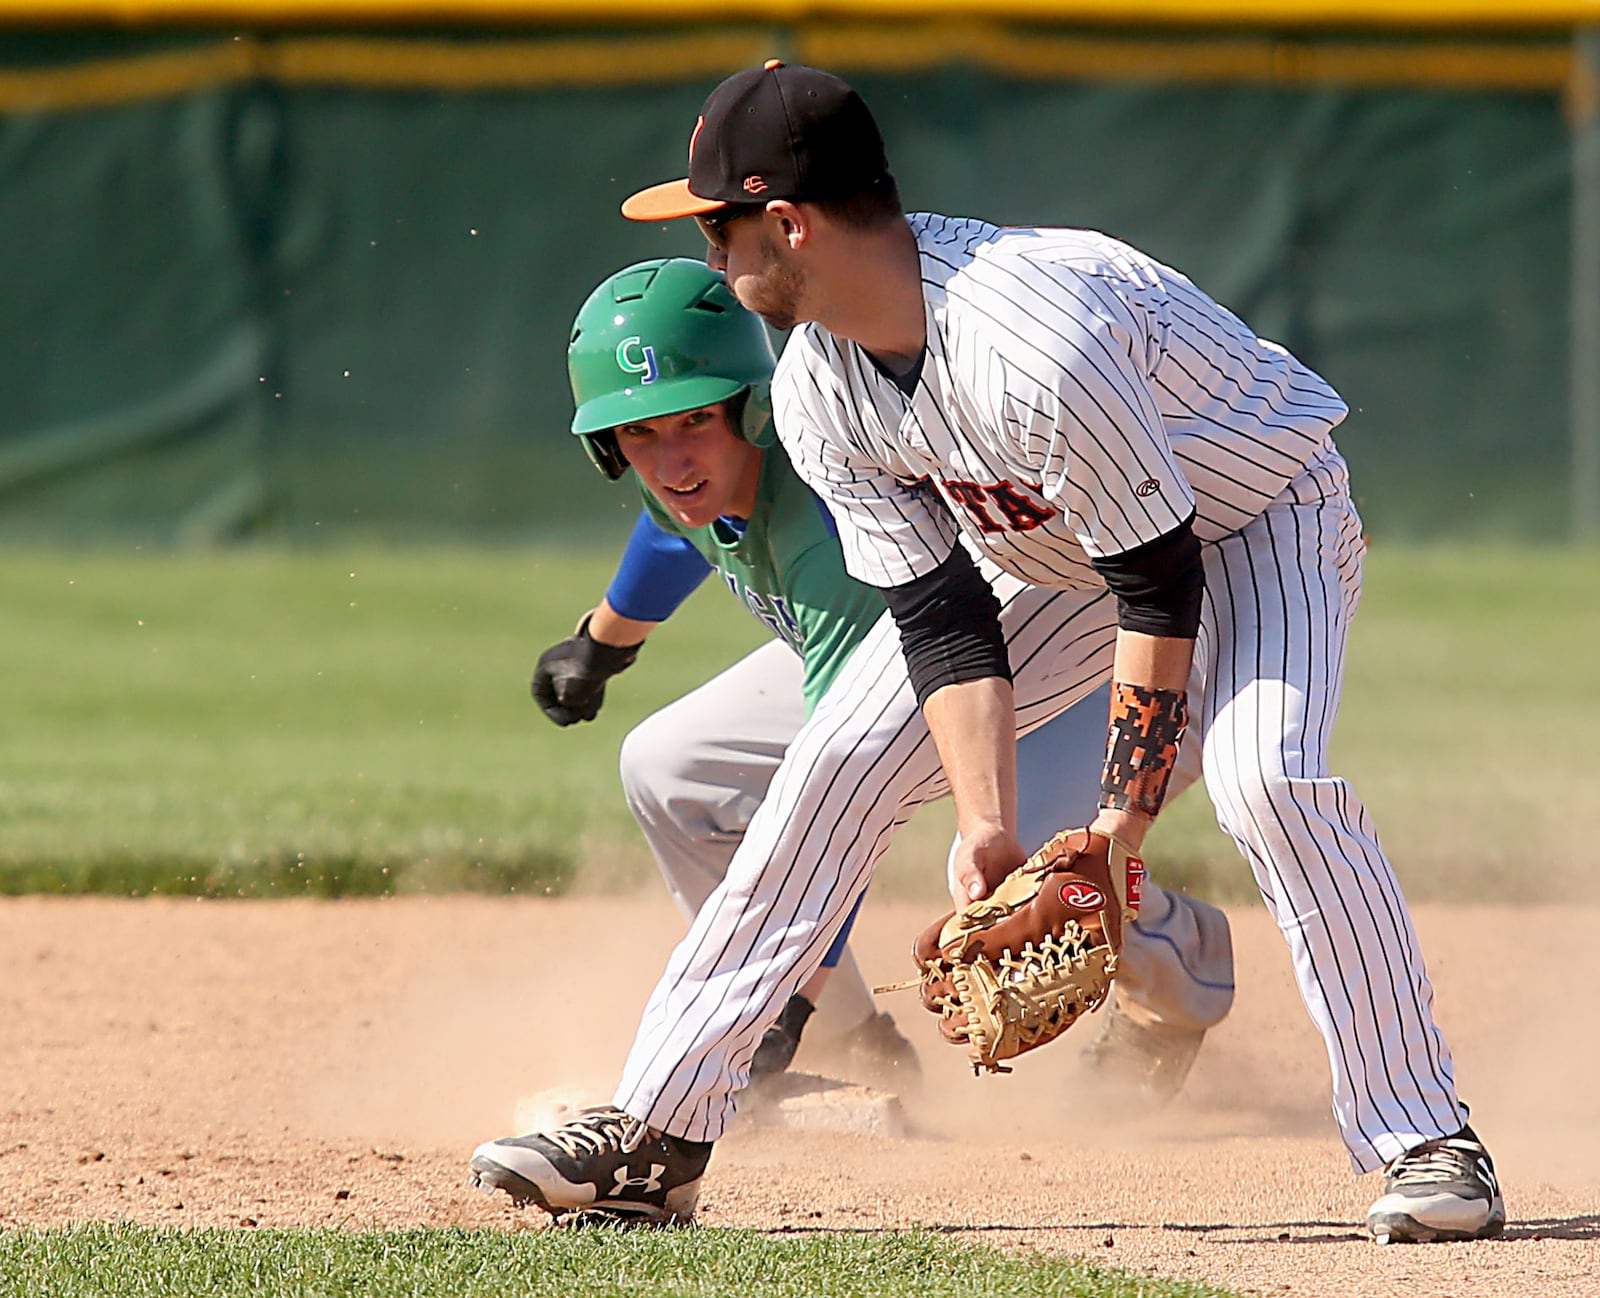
{"points": [[1280, 595], [1268, 668]]}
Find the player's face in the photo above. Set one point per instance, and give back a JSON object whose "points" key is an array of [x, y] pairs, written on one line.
{"points": [[758, 270], [695, 463]]}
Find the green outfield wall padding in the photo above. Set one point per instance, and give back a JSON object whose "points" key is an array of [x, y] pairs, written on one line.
{"points": [[263, 308]]}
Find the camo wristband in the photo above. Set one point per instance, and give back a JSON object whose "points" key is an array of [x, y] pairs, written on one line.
{"points": [[1147, 726]]}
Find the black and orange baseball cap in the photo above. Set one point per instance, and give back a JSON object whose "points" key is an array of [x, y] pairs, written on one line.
{"points": [[777, 131]]}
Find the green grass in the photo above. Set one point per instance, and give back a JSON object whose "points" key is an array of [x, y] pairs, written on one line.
{"points": [[267, 723], [130, 1262], [264, 723]]}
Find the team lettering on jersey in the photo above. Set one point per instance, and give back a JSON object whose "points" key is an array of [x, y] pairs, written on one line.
{"points": [[1016, 512], [773, 610]]}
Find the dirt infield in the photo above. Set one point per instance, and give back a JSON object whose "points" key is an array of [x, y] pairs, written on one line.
{"points": [[188, 1063]]}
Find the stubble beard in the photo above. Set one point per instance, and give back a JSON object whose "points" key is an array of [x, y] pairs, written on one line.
{"points": [[782, 289]]}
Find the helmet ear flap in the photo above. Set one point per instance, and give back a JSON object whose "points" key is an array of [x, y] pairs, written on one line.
{"points": [[604, 453], [755, 419]]}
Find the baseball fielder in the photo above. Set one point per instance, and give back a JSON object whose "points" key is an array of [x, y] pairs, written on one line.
{"points": [[669, 375], [1101, 430]]}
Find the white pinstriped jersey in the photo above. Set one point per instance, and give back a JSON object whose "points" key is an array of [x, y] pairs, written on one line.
{"points": [[1076, 399]]}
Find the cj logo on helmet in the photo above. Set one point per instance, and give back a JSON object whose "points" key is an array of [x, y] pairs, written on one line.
{"points": [[646, 362]]}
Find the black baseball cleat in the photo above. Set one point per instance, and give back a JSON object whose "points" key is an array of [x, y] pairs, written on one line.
{"points": [[1443, 1189], [1136, 1053], [878, 1054], [873, 1052], [601, 1166], [776, 1051]]}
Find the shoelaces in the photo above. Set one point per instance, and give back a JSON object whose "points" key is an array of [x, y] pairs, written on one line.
{"points": [[598, 1132], [1431, 1163]]}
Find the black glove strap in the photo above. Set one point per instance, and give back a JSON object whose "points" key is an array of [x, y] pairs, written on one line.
{"points": [[604, 660]]}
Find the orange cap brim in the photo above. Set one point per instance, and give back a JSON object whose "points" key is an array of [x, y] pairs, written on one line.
{"points": [[667, 202]]}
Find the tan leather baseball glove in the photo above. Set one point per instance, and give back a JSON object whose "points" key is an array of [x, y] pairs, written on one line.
{"points": [[1013, 971]]}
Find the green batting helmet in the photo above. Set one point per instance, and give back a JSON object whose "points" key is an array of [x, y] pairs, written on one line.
{"points": [[659, 338]]}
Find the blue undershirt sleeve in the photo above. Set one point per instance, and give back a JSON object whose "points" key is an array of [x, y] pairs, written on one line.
{"points": [[656, 573]]}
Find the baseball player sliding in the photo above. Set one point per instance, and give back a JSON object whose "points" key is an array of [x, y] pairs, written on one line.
{"points": [[1100, 429], [732, 784]]}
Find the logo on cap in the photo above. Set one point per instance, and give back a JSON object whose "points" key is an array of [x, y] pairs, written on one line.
{"points": [[646, 365], [754, 184]]}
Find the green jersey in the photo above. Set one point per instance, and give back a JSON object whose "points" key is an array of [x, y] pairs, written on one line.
{"points": [[788, 569]]}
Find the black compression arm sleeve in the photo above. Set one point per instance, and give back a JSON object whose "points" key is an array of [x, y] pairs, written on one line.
{"points": [[949, 624], [1158, 585]]}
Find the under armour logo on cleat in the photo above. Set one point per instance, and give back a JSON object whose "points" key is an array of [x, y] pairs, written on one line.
{"points": [[648, 1184]]}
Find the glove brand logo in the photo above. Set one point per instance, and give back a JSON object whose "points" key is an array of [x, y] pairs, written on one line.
{"points": [[646, 364], [1148, 487], [648, 1184], [1135, 882], [754, 185], [1082, 896]]}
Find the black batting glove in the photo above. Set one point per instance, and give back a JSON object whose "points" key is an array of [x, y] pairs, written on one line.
{"points": [[569, 684]]}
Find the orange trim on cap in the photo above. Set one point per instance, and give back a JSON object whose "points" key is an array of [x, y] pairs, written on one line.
{"points": [[770, 64], [667, 202]]}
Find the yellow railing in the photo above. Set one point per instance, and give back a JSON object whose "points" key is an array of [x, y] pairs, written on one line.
{"points": [[392, 63], [1188, 13]]}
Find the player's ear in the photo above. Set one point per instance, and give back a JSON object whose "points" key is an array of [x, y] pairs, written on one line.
{"points": [[755, 420], [792, 220]]}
